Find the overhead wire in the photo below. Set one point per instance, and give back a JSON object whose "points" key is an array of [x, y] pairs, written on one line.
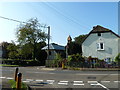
{"points": [[67, 17], [11, 19]]}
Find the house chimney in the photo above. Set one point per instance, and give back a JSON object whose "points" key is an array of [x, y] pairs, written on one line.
{"points": [[94, 27]]}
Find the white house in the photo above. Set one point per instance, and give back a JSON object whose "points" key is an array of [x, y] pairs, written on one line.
{"points": [[101, 43], [53, 50]]}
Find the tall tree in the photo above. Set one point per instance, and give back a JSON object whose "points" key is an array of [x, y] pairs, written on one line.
{"points": [[73, 48], [31, 33], [12, 50], [80, 39]]}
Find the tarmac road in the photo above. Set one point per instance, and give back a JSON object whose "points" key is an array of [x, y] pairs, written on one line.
{"points": [[41, 77]]}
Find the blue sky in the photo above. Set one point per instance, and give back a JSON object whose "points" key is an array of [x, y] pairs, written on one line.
{"points": [[64, 18]]}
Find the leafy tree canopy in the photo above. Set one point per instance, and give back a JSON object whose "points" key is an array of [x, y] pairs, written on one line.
{"points": [[30, 34], [80, 39]]}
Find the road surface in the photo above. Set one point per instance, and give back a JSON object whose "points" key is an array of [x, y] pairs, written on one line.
{"points": [[40, 77]]}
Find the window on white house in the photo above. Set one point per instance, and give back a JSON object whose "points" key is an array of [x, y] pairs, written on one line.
{"points": [[99, 34], [100, 46]]}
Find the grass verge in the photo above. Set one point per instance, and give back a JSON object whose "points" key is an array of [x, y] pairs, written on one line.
{"points": [[13, 85], [6, 65]]}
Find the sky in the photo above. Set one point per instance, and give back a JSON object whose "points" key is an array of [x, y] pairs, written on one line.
{"points": [[64, 18]]}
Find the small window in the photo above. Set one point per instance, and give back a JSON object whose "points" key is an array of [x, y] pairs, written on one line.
{"points": [[49, 53], [100, 46], [99, 34]]}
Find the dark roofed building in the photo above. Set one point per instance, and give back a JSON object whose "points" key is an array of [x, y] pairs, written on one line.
{"points": [[53, 50]]}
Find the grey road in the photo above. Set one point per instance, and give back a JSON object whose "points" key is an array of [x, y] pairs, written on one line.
{"points": [[40, 77]]}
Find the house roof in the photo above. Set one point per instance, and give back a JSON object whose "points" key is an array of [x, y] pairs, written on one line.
{"points": [[54, 46], [100, 29]]}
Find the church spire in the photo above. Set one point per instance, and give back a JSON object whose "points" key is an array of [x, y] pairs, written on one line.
{"points": [[69, 39]]}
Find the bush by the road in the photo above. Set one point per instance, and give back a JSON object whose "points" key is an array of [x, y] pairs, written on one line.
{"points": [[22, 62]]}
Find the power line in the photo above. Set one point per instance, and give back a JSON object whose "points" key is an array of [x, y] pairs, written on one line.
{"points": [[67, 17], [11, 19]]}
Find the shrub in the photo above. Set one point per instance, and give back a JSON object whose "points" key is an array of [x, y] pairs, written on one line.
{"points": [[75, 60], [117, 58]]}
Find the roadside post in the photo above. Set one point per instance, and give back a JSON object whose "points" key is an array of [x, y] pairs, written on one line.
{"points": [[63, 66], [18, 83], [16, 71]]}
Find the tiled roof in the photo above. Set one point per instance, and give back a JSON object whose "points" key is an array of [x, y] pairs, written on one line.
{"points": [[54, 46], [99, 28]]}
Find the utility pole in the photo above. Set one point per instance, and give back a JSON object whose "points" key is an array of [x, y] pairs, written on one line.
{"points": [[48, 40]]}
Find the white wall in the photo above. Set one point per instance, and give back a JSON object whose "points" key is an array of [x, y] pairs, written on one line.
{"points": [[89, 46]]}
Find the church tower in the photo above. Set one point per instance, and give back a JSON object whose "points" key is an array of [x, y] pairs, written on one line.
{"points": [[69, 39]]}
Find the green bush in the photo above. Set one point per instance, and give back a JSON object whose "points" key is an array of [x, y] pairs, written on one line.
{"points": [[21, 62], [13, 85], [117, 58], [75, 60]]}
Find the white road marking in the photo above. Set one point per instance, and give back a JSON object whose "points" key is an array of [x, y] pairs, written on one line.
{"points": [[95, 83], [50, 81], [92, 81], [105, 81], [9, 78], [116, 81], [25, 81], [103, 86], [2, 77], [39, 80], [63, 82], [78, 83], [29, 79], [51, 73]]}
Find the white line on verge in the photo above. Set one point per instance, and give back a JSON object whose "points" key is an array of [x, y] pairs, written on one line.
{"points": [[9, 78], [2, 77]]}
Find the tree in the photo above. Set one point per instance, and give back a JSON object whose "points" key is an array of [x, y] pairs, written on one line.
{"points": [[117, 58], [12, 51], [31, 33], [41, 55], [73, 48], [80, 39], [25, 51]]}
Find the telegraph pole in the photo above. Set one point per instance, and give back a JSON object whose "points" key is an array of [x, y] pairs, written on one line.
{"points": [[48, 40]]}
